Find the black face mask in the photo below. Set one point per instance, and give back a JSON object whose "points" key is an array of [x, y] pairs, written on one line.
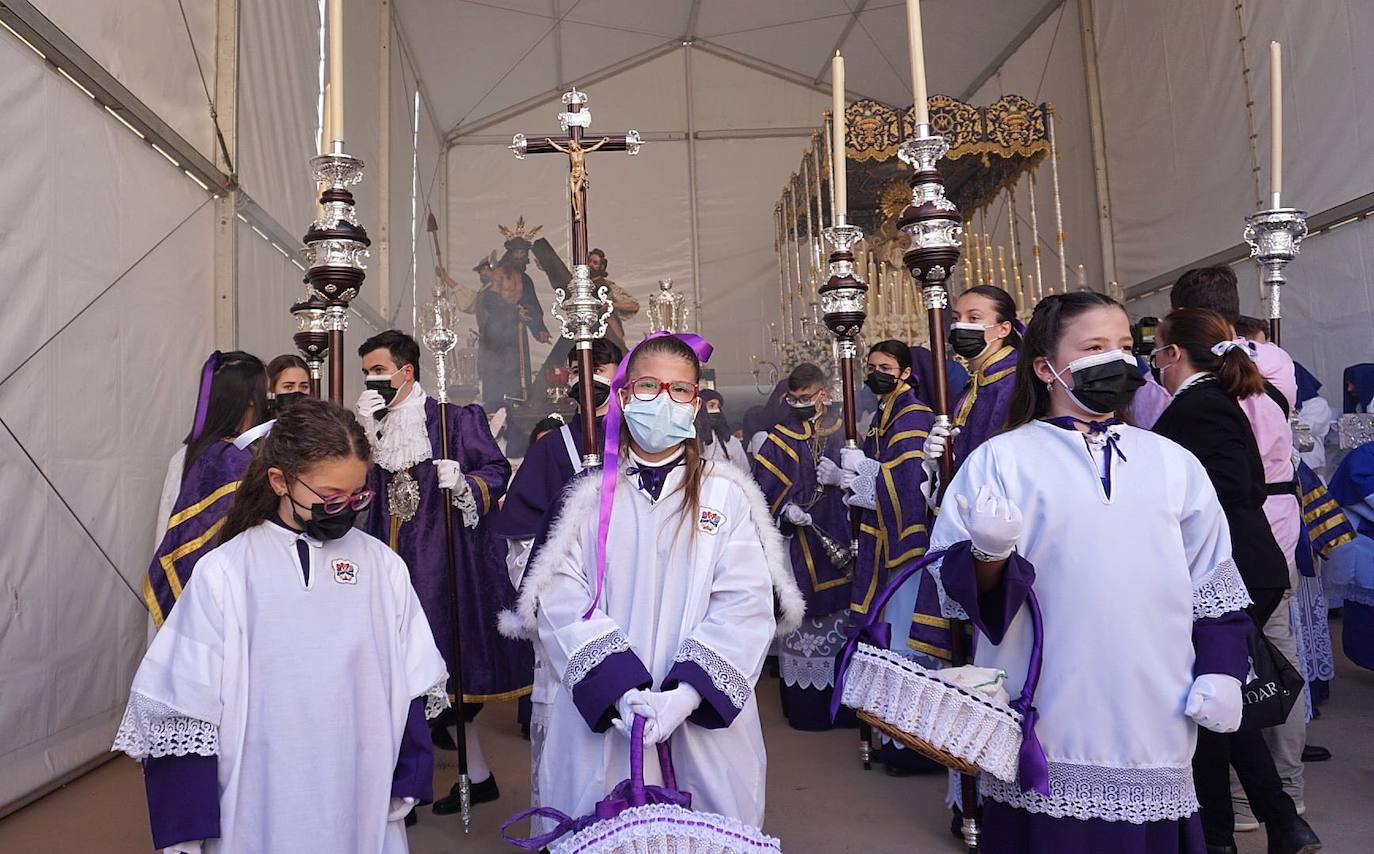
{"points": [[383, 386], [718, 422], [285, 399], [1103, 383], [322, 526], [600, 392], [880, 383], [803, 414], [968, 342]]}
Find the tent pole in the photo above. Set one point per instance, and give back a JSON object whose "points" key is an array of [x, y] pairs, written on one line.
{"points": [[692, 181], [1099, 141], [226, 297]]}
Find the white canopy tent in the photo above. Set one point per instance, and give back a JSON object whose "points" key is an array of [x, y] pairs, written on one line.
{"points": [[136, 242]]}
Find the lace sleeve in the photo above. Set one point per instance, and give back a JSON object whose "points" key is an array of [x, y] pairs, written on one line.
{"points": [[726, 679], [592, 653], [152, 729], [436, 699], [1221, 592]]}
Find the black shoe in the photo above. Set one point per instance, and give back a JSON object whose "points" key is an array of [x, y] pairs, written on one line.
{"points": [[525, 731], [1313, 753], [412, 819], [898, 771], [1221, 849], [480, 793], [956, 823], [442, 740], [1293, 837]]}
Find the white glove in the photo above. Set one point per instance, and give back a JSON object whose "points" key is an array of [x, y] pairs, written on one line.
{"points": [[852, 459], [935, 446], [666, 710], [830, 474], [994, 523], [450, 475], [625, 714], [400, 808], [369, 403], [794, 514], [1215, 702], [184, 848]]}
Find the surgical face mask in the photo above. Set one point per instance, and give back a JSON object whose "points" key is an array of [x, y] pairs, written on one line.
{"points": [[1103, 382], [601, 390], [659, 424], [283, 399], [880, 383], [1157, 370], [803, 413], [968, 340], [321, 525], [383, 386]]}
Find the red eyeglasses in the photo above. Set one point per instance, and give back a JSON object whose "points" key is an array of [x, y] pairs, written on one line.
{"points": [[648, 388], [336, 504]]}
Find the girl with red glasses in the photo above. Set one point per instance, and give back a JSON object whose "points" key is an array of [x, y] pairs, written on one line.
{"points": [[295, 612]]}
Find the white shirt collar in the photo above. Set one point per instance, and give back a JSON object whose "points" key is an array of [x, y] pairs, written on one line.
{"points": [[1192, 381], [637, 460]]}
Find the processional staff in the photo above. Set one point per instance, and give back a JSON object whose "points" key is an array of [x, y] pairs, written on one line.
{"points": [[583, 309]]}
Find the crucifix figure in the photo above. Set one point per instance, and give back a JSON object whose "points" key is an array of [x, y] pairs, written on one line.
{"points": [[584, 309]]}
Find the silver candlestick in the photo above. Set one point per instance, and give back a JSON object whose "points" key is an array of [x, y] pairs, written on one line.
{"points": [[1275, 238]]}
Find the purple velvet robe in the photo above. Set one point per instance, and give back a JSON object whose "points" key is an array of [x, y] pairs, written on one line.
{"points": [[982, 409], [540, 480], [784, 469], [494, 667], [207, 490], [898, 532]]}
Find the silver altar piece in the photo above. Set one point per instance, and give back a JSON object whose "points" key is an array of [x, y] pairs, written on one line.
{"points": [[1275, 238], [844, 308], [440, 338], [668, 311], [312, 335], [583, 309]]}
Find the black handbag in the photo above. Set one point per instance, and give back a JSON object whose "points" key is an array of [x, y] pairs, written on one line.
{"points": [[1272, 686]]}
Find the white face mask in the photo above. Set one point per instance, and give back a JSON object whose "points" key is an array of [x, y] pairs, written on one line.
{"points": [[659, 424]]}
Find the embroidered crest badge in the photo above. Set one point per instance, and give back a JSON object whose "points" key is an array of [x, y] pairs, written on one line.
{"points": [[345, 571], [710, 520]]}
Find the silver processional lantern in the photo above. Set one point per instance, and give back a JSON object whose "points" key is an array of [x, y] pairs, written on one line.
{"points": [[1275, 238]]}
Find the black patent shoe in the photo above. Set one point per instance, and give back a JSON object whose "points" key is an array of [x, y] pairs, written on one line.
{"points": [[1221, 849], [480, 793], [1293, 837], [439, 735], [1314, 753]]}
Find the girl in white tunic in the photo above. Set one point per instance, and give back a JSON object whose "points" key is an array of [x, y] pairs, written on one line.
{"points": [[282, 706], [675, 621], [1121, 536]]}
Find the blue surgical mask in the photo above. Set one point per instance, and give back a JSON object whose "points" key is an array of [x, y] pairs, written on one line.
{"points": [[659, 424]]}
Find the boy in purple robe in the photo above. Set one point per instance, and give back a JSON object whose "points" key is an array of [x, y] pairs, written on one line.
{"points": [[409, 478], [797, 469], [232, 398]]}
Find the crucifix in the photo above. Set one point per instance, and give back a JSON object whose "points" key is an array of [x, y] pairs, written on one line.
{"points": [[582, 309]]}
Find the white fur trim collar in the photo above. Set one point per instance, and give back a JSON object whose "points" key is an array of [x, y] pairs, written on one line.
{"points": [[583, 502]]}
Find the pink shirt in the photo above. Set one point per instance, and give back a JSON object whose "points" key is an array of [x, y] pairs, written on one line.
{"points": [[1275, 438]]}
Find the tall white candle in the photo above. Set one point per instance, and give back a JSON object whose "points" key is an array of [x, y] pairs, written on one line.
{"points": [[336, 69], [918, 61], [837, 129], [1275, 121]]}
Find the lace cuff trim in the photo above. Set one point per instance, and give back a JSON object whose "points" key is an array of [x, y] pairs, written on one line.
{"points": [[152, 729], [1222, 592], [592, 653], [864, 488], [1134, 795], [724, 677], [436, 699], [465, 501], [949, 609]]}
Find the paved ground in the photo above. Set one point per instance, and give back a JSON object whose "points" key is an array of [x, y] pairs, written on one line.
{"points": [[820, 799]]}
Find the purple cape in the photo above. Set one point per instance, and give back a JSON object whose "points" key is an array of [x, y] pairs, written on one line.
{"points": [[897, 533], [538, 483], [207, 490], [785, 471], [495, 668], [982, 409]]}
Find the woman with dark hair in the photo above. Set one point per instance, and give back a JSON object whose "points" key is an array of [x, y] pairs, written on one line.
{"points": [[1120, 536], [774, 412], [652, 595], [232, 398], [1208, 373], [288, 380], [293, 611], [718, 441]]}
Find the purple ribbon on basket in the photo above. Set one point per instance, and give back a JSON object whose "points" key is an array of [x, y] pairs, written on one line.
{"points": [[207, 378], [1032, 769], [872, 630], [627, 793], [610, 466]]}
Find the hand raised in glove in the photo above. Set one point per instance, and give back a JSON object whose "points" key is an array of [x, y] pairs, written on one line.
{"points": [[450, 475], [369, 403], [994, 524]]}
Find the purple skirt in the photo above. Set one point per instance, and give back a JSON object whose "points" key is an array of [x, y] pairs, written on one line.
{"points": [[1008, 830]]}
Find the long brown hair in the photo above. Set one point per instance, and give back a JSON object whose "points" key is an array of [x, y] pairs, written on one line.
{"points": [[307, 432], [668, 345], [1006, 309], [1030, 398], [1196, 331]]}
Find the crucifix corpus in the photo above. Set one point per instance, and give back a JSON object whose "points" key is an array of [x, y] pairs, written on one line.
{"points": [[583, 309]]}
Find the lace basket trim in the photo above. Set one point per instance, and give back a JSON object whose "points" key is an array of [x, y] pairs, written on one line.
{"points": [[797, 672], [1222, 592], [152, 729], [1134, 795], [910, 698], [661, 827], [726, 678], [592, 653], [436, 699]]}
